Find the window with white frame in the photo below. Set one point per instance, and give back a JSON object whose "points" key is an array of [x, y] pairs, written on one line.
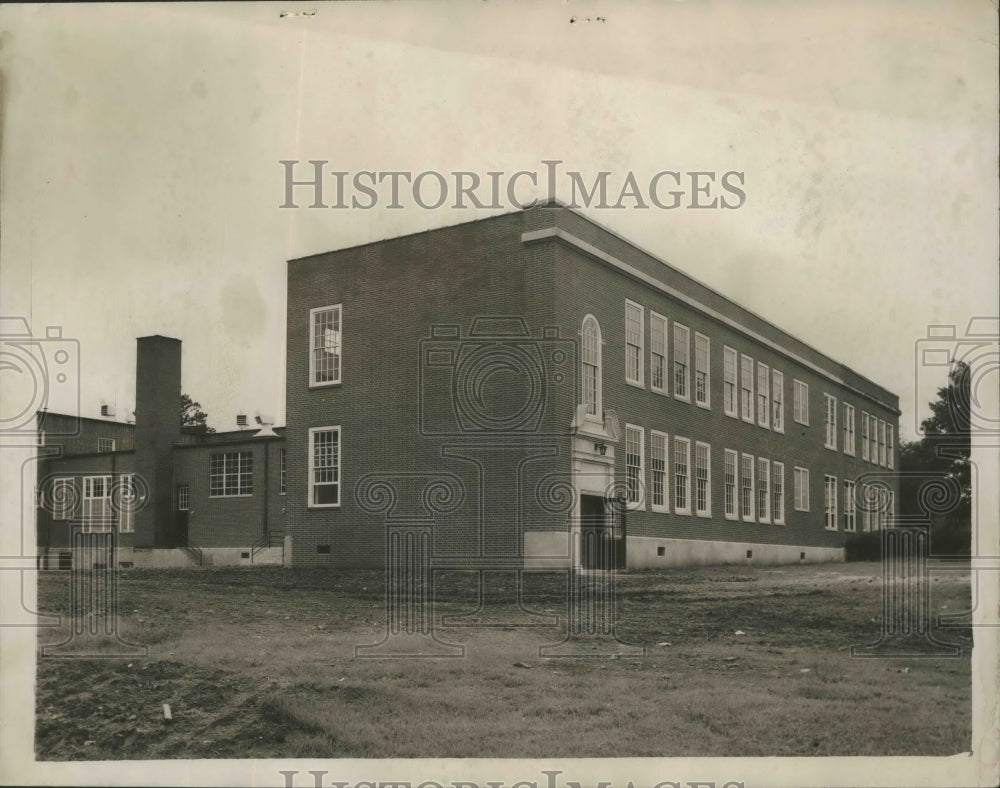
{"points": [[830, 421], [889, 443], [183, 497], [881, 443], [801, 489], [325, 339], [230, 474], [97, 512], [890, 508], [729, 404], [41, 437], [324, 467], [830, 502], [682, 362], [729, 485], [127, 503], [658, 445], [763, 490], [702, 373], [850, 523], [657, 352], [777, 400], [105, 445], [590, 368], [702, 479], [64, 494], [282, 471], [778, 493], [864, 435], [848, 429], [633, 343], [873, 437], [800, 402], [682, 475], [746, 488], [763, 394], [633, 466], [866, 510], [877, 499], [746, 388]]}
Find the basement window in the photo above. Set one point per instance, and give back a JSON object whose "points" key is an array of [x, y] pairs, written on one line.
{"points": [[749, 553], [323, 549], [661, 550]]}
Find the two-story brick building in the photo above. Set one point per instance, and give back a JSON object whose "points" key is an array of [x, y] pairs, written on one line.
{"points": [[522, 384]]}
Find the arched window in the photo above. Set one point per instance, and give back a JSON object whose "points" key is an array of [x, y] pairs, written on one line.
{"points": [[591, 365]]}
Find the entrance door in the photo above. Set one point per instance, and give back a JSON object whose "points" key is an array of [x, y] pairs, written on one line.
{"points": [[594, 532]]}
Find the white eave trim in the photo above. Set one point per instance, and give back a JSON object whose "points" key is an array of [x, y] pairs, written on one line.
{"points": [[557, 234]]}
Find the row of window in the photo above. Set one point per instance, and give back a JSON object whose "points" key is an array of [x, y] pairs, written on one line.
{"points": [[753, 487], [766, 407], [877, 435], [876, 514], [97, 514]]}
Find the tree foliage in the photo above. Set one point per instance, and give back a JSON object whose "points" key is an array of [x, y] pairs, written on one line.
{"points": [[192, 416], [937, 468]]}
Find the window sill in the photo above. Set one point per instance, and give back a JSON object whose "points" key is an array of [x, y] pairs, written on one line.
{"points": [[240, 495], [323, 506], [637, 383], [703, 405], [331, 384], [704, 515]]}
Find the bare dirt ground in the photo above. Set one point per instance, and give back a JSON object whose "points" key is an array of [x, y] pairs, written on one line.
{"points": [[738, 661]]}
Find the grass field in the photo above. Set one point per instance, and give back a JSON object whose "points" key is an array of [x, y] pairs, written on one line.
{"points": [[261, 663]]}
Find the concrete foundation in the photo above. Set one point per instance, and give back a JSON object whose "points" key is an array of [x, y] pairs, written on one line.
{"points": [[553, 550], [174, 558]]}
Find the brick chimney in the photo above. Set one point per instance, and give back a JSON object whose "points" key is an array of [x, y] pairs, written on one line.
{"points": [[157, 429]]}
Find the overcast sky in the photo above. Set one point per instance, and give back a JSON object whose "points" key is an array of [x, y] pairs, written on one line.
{"points": [[141, 183]]}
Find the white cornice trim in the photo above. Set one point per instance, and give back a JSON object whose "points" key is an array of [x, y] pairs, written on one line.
{"points": [[557, 234]]}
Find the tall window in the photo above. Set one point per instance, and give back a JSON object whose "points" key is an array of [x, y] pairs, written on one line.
{"points": [[325, 345], [830, 502], [702, 374], [657, 352], [881, 443], [231, 474], [864, 435], [282, 471], [763, 394], [591, 365], [746, 388], [63, 497], [128, 503], [682, 465], [324, 466], [658, 470], [97, 512], [873, 437], [848, 429], [746, 487], [729, 381], [777, 400], [702, 476], [849, 507], [633, 343], [730, 485], [763, 490], [682, 361], [889, 443], [866, 509], [890, 508], [830, 421], [778, 493], [183, 497], [633, 466], [801, 490], [105, 445], [800, 402]]}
